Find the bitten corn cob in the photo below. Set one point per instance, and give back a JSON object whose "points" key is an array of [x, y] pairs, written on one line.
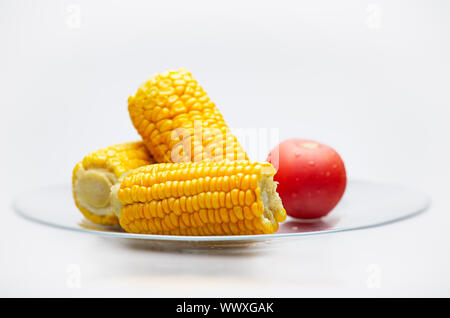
{"points": [[94, 176], [200, 198], [179, 123]]}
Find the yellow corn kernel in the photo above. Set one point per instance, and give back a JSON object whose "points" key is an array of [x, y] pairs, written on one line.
{"points": [[233, 212], [179, 123]]}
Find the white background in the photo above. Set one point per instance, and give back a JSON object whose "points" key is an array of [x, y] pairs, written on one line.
{"points": [[370, 78]]}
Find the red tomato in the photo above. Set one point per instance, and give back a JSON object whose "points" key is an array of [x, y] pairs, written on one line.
{"points": [[311, 177]]}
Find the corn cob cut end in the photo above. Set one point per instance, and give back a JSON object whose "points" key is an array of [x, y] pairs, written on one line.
{"points": [[96, 175], [274, 211], [92, 194]]}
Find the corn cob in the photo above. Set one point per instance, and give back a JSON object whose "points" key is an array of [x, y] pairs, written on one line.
{"points": [[200, 198], [94, 176], [179, 123]]}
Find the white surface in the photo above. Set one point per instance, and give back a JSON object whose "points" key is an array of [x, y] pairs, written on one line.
{"points": [[369, 78]]}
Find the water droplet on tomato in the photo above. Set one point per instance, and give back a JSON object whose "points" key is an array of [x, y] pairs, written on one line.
{"points": [[310, 145]]}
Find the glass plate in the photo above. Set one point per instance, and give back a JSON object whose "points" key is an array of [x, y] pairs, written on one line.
{"points": [[365, 204]]}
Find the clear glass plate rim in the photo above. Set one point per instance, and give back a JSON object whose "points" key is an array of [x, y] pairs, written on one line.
{"points": [[229, 238]]}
